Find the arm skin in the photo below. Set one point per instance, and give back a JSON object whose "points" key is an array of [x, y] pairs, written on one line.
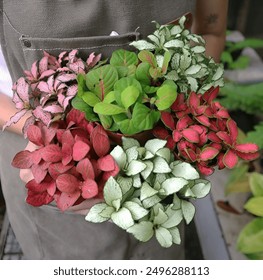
{"points": [[210, 21]]}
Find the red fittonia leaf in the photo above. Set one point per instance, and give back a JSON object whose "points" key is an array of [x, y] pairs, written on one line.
{"points": [[89, 189], [160, 132], [100, 141], [205, 170], [80, 150], [56, 169], [36, 156], [85, 168], [193, 100], [51, 153], [106, 175], [176, 136], [66, 200], [230, 159], [106, 163], [233, 130], [224, 137], [23, 160], [38, 199], [183, 123], [247, 148], [67, 183], [170, 143], [204, 120], [208, 153], [34, 135], [38, 173], [248, 156], [211, 94], [168, 120], [67, 151], [191, 135]]}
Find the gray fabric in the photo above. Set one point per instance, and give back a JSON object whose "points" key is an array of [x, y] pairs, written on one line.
{"points": [[26, 30]]}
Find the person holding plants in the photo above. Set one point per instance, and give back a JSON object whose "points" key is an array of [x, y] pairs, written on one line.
{"points": [[45, 232]]}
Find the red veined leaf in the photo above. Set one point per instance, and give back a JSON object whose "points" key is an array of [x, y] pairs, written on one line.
{"points": [[51, 153], [168, 120], [67, 183], [232, 128], [66, 200], [213, 137], [67, 151], [34, 135], [247, 148], [248, 156], [58, 168], [230, 159], [23, 160], [106, 163], [100, 141], [222, 113], [211, 94], [208, 153], [85, 168], [170, 143], [38, 173], [34, 186], [224, 137], [183, 123], [191, 135], [36, 156], [193, 100], [160, 132], [205, 170], [48, 133], [89, 189], [80, 150], [38, 199], [106, 175], [176, 136], [204, 120]]}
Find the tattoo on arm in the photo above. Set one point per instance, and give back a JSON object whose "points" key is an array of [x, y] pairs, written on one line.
{"points": [[211, 19]]}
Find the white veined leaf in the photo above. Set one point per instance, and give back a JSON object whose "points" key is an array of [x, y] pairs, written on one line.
{"points": [[164, 153], [175, 62], [142, 231], [122, 218], [175, 235], [125, 183], [161, 165], [201, 188], [154, 145], [174, 218], [147, 191], [135, 167], [185, 170], [156, 208], [154, 39], [182, 21], [94, 213], [116, 204], [128, 142], [160, 218], [187, 192], [143, 45], [112, 191], [176, 30], [198, 49], [219, 83], [164, 237], [132, 154], [172, 185], [176, 202], [151, 201], [174, 44], [185, 60], [148, 170], [188, 210], [136, 210], [106, 213], [159, 59], [148, 155], [218, 74], [193, 83], [119, 156], [172, 75], [137, 181], [193, 70]]}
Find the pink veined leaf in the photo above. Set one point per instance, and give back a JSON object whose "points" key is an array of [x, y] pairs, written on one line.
{"points": [[14, 119], [66, 200], [191, 135], [160, 132], [43, 64], [38, 199], [62, 56], [34, 70], [72, 56], [85, 168], [225, 137], [232, 128], [230, 159], [106, 163], [193, 100], [176, 136], [72, 90], [248, 156], [17, 101], [64, 78], [93, 59], [29, 121], [247, 148], [47, 74], [22, 160], [77, 66], [54, 109], [67, 183], [208, 153], [65, 102], [58, 168], [51, 153], [168, 120], [89, 189], [40, 114], [38, 173], [80, 150], [100, 141], [34, 135], [204, 120]]}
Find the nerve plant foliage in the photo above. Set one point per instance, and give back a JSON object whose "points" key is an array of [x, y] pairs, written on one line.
{"points": [[165, 90]]}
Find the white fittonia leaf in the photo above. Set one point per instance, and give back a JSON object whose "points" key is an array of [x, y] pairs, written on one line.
{"points": [[94, 213], [142, 231], [136, 210], [112, 191], [148, 155], [193, 83], [198, 49], [201, 188], [176, 202], [135, 167], [151, 201], [119, 156], [125, 183], [148, 170], [188, 210], [154, 145], [164, 153], [106, 213], [129, 143], [176, 30], [164, 237], [161, 165], [175, 235], [147, 191], [172, 75], [143, 45], [132, 154], [184, 170], [218, 74], [172, 185], [193, 70], [116, 204], [185, 60], [137, 181], [160, 218], [122, 218], [174, 44], [174, 218]]}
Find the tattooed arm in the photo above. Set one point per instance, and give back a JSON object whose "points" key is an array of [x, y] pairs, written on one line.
{"points": [[210, 21]]}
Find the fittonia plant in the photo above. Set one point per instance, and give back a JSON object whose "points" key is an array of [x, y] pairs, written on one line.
{"points": [[150, 196]]}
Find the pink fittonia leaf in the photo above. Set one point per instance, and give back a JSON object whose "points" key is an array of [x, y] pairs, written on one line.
{"points": [[89, 189], [66, 77], [100, 141], [40, 114], [43, 64], [80, 150], [85, 168], [44, 87], [38, 173], [208, 153], [191, 135], [34, 70], [72, 90], [54, 109], [106, 163], [247, 148], [93, 59], [66, 200], [58, 168], [176, 136], [34, 135], [38, 199], [204, 120], [51, 153], [23, 160], [47, 74], [230, 159], [67, 183], [248, 156], [22, 89], [232, 128], [168, 120], [224, 137], [14, 119]]}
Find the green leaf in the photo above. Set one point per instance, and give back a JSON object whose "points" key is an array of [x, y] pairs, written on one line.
{"points": [[79, 104], [123, 58], [166, 95], [241, 63], [129, 96], [110, 97], [201, 188], [90, 98], [175, 235], [101, 80], [172, 185], [188, 210], [108, 109], [146, 56], [127, 127], [112, 191], [119, 156], [122, 218], [136, 210], [147, 191], [94, 213], [160, 218], [81, 84], [184, 170], [164, 237], [161, 165], [142, 73], [250, 239], [255, 206], [142, 231], [135, 167], [256, 183], [106, 121]]}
